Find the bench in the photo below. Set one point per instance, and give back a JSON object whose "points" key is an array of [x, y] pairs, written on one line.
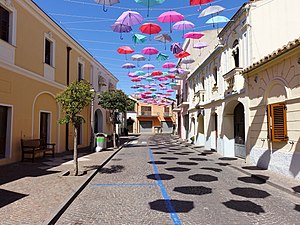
{"points": [[33, 146]]}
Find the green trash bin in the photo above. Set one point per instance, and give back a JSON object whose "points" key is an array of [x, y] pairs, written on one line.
{"points": [[100, 141]]}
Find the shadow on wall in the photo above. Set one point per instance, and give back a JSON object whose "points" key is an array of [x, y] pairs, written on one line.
{"points": [[295, 162]]}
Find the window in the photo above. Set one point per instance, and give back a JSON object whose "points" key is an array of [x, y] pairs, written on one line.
{"points": [[48, 52], [235, 53], [5, 131], [4, 24], [146, 110], [215, 73], [80, 71], [277, 126]]}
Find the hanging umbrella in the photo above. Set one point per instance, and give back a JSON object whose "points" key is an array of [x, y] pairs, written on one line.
{"points": [[120, 28], [199, 2], [131, 74], [213, 9], [217, 19], [165, 38], [128, 66], [135, 79], [177, 70], [172, 84], [168, 65], [170, 17], [141, 89], [148, 67], [147, 86], [149, 79], [150, 28], [183, 25], [171, 76], [200, 45], [149, 51], [134, 87], [182, 54], [149, 3], [161, 57], [170, 90], [130, 18], [193, 35], [139, 73], [125, 50], [138, 58], [187, 61], [153, 84], [107, 2], [156, 73], [138, 38], [176, 48]]}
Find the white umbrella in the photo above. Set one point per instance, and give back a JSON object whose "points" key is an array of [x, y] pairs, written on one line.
{"points": [[211, 10]]}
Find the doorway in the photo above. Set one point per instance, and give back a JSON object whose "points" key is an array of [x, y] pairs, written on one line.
{"points": [[239, 131], [45, 126]]}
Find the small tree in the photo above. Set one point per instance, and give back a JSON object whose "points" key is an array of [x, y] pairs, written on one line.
{"points": [[115, 101], [72, 101]]}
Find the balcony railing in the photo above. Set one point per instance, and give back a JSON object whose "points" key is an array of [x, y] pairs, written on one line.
{"points": [[147, 114], [234, 81]]}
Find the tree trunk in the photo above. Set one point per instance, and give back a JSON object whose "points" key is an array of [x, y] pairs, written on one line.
{"points": [[75, 156]]}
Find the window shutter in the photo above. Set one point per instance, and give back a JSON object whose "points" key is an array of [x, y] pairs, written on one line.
{"points": [[278, 120]]}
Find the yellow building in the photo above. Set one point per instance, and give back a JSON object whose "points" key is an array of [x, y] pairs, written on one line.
{"points": [[37, 60], [154, 118]]}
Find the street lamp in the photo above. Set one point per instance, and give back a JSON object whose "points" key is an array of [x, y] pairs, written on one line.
{"points": [[92, 90]]}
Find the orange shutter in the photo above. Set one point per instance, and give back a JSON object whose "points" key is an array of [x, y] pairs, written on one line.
{"points": [[278, 120]]}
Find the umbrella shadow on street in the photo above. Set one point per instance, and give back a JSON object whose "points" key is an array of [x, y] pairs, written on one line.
{"points": [[249, 192], [244, 206], [172, 206], [251, 180], [193, 190], [112, 169], [8, 197]]}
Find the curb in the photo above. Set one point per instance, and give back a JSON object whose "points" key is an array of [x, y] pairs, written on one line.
{"points": [[68, 201]]}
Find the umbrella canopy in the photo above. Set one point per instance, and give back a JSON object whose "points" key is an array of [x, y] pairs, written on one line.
{"points": [[138, 58], [150, 79], [161, 57], [182, 54], [199, 2], [183, 25], [156, 73], [138, 38], [135, 79], [165, 38], [168, 65], [120, 28], [150, 28], [131, 74], [128, 66], [200, 45], [148, 67], [213, 9], [125, 50], [149, 3], [177, 70], [170, 17], [193, 35], [176, 48], [130, 18], [107, 2], [171, 76], [187, 61], [139, 73], [217, 19], [149, 51], [134, 87]]}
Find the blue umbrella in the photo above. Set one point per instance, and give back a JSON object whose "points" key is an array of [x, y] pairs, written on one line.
{"points": [[161, 57], [217, 19], [149, 3], [138, 38]]}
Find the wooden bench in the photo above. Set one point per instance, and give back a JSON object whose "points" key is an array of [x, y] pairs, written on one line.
{"points": [[33, 146]]}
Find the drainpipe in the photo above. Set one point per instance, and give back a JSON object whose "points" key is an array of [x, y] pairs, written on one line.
{"points": [[68, 82]]}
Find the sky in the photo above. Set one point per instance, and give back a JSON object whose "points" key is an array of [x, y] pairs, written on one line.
{"points": [[90, 26]]}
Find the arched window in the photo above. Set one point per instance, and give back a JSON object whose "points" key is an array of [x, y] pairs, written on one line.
{"points": [[215, 73], [235, 53]]}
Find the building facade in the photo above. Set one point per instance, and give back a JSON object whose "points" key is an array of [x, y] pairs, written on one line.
{"points": [[38, 59]]}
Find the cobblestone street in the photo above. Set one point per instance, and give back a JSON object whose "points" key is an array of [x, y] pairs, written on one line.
{"points": [[158, 180]]}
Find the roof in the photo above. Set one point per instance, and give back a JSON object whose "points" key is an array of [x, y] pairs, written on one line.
{"points": [[280, 51]]}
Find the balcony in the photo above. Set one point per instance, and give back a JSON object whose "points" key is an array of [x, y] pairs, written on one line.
{"points": [[168, 114], [147, 114], [234, 81], [183, 103]]}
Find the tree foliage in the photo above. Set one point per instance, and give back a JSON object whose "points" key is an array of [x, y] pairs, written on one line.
{"points": [[114, 100], [73, 100]]}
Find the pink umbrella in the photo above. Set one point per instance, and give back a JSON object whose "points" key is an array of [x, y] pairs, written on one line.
{"points": [[128, 66], [168, 65], [149, 51], [170, 17], [183, 25], [193, 35], [131, 74]]}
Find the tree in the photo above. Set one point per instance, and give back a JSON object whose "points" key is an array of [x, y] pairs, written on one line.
{"points": [[73, 100], [115, 101]]}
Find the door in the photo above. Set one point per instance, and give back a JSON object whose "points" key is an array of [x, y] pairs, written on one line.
{"points": [[3, 130], [45, 126], [146, 126], [239, 131], [167, 126]]}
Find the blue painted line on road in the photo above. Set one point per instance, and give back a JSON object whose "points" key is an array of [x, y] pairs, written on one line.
{"points": [[122, 185], [173, 214]]}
